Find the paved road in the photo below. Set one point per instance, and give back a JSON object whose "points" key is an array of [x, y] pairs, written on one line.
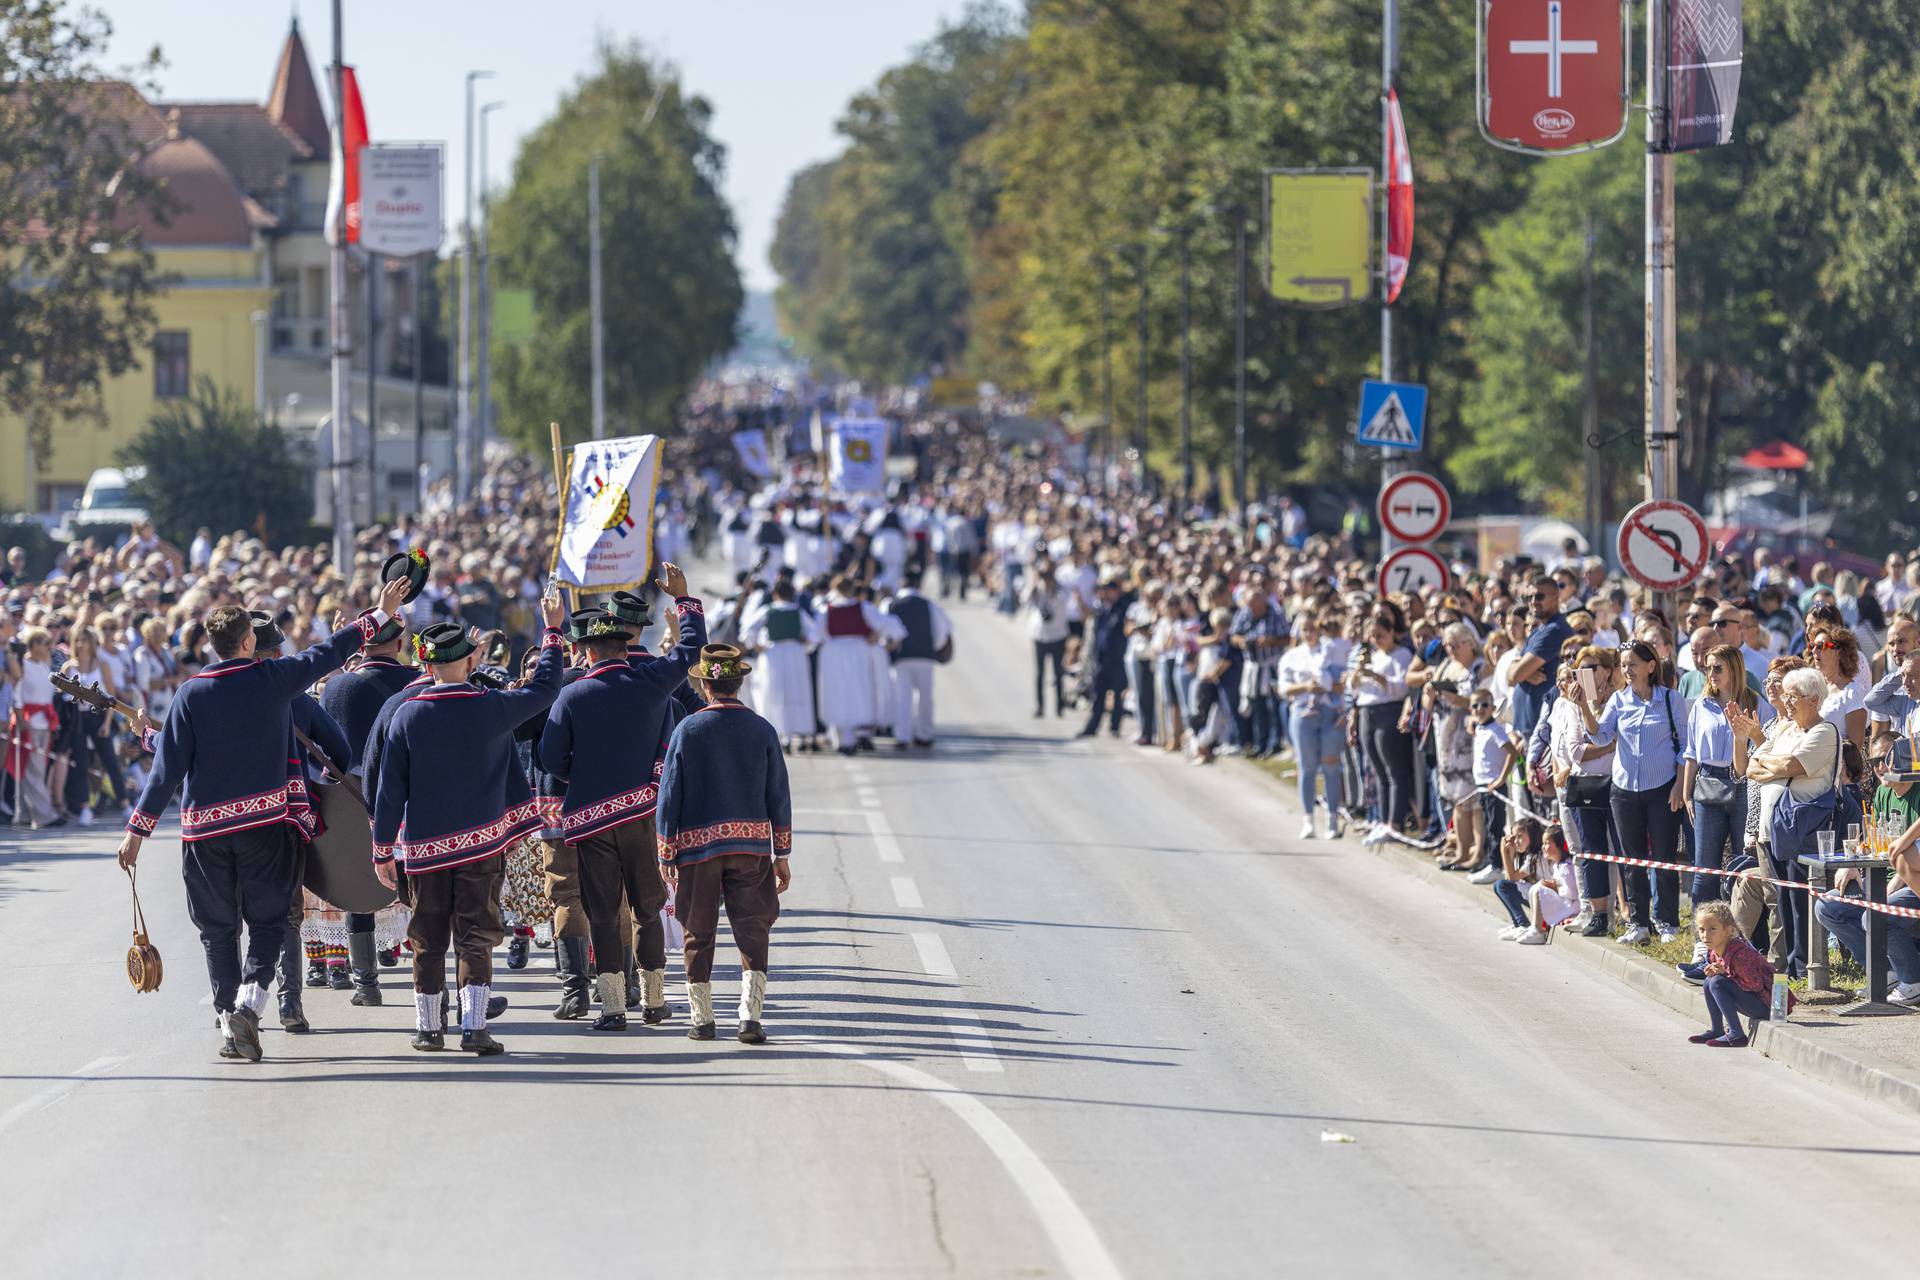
{"points": [[1040, 1007]]}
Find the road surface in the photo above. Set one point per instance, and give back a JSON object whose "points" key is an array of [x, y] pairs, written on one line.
{"points": [[1040, 1007]]}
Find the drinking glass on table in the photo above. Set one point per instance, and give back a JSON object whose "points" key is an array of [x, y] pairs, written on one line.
{"points": [[1826, 844]]}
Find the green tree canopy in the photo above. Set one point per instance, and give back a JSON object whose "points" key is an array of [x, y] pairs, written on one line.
{"points": [[76, 299], [669, 284], [211, 461]]}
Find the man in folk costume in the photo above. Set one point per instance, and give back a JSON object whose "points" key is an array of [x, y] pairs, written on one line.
{"points": [[354, 698], [224, 745], [682, 628], [606, 735], [726, 830], [853, 627], [880, 663], [919, 651], [309, 718], [450, 800], [784, 635]]}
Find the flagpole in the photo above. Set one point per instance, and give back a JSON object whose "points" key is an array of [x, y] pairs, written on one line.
{"points": [[1389, 37], [342, 450]]}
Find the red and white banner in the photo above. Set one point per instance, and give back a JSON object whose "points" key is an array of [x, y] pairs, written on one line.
{"points": [[343, 186], [1399, 199], [1553, 73]]}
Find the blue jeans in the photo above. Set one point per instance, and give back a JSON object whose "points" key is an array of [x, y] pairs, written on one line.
{"points": [[1714, 825], [1727, 1000], [1265, 723], [1595, 829], [1849, 924], [1513, 896], [1317, 740]]}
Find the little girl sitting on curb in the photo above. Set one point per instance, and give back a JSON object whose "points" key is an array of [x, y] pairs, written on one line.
{"points": [[1738, 978], [1540, 869]]}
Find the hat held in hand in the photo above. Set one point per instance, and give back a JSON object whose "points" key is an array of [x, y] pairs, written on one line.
{"points": [[411, 565]]}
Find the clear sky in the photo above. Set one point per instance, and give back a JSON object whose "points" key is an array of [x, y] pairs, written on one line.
{"points": [[778, 72]]}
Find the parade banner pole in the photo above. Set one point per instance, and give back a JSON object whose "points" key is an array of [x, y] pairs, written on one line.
{"points": [[560, 498]]}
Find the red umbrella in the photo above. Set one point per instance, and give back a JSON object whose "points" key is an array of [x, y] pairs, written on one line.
{"points": [[1778, 456]]}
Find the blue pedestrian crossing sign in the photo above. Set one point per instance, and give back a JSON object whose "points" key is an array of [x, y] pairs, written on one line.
{"points": [[1393, 415]]}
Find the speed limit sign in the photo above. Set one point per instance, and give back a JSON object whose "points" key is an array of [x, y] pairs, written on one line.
{"points": [[1412, 571]]}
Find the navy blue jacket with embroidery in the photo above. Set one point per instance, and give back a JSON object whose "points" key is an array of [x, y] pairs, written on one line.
{"points": [[450, 787], [224, 745], [354, 698], [724, 788], [607, 733], [310, 718]]}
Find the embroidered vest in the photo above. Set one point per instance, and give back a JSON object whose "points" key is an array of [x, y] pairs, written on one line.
{"points": [[847, 620], [783, 623]]}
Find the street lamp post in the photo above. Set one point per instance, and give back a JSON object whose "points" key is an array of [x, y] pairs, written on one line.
{"points": [[1239, 213], [463, 413], [341, 341], [1140, 422], [1186, 371], [483, 354], [1106, 361]]}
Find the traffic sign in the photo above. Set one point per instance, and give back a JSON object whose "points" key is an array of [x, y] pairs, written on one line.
{"points": [[1393, 415], [1412, 571], [1320, 236], [1553, 74], [400, 199], [1664, 545], [1414, 507]]}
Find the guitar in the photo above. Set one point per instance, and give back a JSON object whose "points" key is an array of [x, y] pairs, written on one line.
{"points": [[93, 695]]}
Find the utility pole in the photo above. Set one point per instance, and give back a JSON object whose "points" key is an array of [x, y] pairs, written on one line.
{"points": [[342, 341], [1144, 473], [483, 355], [463, 409], [1240, 371], [1186, 371], [1590, 415], [419, 391], [1106, 360], [593, 301], [1661, 346], [1389, 41], [372, 267]]}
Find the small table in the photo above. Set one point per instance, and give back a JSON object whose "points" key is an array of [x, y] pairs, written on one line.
{"points": [[1878, 870]]}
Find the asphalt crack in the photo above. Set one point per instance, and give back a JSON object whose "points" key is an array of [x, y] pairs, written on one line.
{"points": [[933, 1218]]}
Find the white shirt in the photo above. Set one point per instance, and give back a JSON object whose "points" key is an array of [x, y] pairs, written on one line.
{"points": [[1390, 684], [1489, 754], [1305, 664], [1842, 702]]}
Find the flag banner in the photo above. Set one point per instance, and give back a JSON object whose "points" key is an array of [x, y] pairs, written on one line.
{"points": [[343, 183], [1399, 200], [1705, 47], [606, 523], [858, 461], [751, 447]]}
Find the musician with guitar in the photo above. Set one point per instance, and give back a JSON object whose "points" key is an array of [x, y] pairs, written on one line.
{"points": [[224, 747]]}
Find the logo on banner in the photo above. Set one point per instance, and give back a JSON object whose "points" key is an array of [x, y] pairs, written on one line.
{"points": [[1553, 74], [612, 503]]}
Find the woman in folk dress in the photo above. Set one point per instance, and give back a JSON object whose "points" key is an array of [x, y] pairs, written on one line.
{"points": [[785, 634]]}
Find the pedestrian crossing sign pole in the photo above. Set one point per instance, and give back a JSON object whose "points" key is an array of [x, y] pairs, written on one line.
{"points": [[1393, 415]]}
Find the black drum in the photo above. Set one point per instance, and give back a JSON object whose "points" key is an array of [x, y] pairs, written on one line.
{"points": [[340, 868]]}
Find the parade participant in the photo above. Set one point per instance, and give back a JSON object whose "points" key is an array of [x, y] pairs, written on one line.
{"points": [[784, 635], [1108, 650], [606, 736], [929, 634], [310, 719], [846, 672], [726, 831], [353, 699], [449, 801], [224, 746]]}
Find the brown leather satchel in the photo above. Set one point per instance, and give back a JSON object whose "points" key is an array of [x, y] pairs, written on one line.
{"points": [[143, 960]]}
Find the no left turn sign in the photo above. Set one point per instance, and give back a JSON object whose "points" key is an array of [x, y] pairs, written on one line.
{"points": [[1414, 507], [1664, 545]]}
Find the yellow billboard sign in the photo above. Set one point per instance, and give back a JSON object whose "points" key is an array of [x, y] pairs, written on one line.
{"points": [[1320, 236]]}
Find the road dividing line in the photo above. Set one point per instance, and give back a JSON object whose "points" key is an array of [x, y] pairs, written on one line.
{"points": [[883, 840], [867, 796], [906, 893], [56, 1091], [975, 1045], [1073, 1237], [933, 956]]}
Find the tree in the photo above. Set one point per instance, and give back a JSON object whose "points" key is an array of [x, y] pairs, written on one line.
{"points": [[76, 299], [870, 244], [210, 461], [671, 290]]}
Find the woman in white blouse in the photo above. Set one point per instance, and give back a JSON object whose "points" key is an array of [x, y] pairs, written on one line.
{"points": [[1377, 684]]}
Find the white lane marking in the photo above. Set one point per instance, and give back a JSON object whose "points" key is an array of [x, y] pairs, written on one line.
{"points": [[933, 956], [883, 840], [1073, 1237], [906, 893], [975, 1045], [56, 1091], [868, 797]]}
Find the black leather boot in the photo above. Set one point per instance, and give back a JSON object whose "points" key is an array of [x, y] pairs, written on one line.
{"points": [[366, 976], [570, 963], [292, 1016], [517, 951]]}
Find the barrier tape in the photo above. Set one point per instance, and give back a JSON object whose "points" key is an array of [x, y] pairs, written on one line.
{"points": [[1909, 913]]}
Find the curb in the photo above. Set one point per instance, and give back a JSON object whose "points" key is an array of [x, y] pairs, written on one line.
{"points": [[1861, 1074]]}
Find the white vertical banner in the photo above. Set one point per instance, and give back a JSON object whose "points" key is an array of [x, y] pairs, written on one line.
{"points": [[858, 461], [606, 520], [751, 448]]}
